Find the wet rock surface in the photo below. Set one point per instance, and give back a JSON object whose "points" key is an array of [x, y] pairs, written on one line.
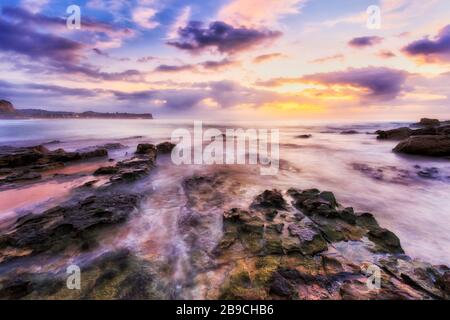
{"points": [[73, 223], [26, 163], [284, 245], [295, 257], [114, 275]]}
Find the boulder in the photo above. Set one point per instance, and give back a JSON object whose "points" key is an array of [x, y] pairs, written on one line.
{"points": [[429, 122], [394, 134], [165, 147], [270, 199], [433, 146], [146, 148]]}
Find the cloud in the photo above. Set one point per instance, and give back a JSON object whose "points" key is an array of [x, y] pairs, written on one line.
{"points": [[258, 12], [144, 17], [48, 53], [180, 22], [96, 33], [210, 65], [34, 5], [431, 50], [362, 42], [277, 82], [220, 36], [146, 59], [381, 84], [226, 94], [18, 38], [218, 65], [32, 90], [386, 54], [267, 57], [372, 83], [329, 58], [170, 68]]}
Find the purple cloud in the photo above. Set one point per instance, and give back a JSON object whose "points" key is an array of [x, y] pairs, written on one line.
{"points": [[431, 50], [362, 42], [220, 36], [17, 38], [170, 68], [382, 83], [217, 65]]}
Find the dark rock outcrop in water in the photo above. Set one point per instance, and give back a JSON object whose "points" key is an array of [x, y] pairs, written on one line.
{"points": [[25, 164], [394, 134], [134, 168], [433, 146], [39, 157], [165, 147], [7, 111], [432, 140]]}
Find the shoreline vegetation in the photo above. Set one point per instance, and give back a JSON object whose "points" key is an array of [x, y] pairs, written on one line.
{"points": [[7, 111], [282, 245]]}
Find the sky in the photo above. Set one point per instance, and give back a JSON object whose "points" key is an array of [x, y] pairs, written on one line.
{"points": [[229, 59]]}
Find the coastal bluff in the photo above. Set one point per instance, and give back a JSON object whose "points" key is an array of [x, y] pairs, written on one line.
{"points": [[8, 111]]}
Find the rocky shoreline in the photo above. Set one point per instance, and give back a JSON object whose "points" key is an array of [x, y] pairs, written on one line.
{"points": [[431, 139], [284, 244]]}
